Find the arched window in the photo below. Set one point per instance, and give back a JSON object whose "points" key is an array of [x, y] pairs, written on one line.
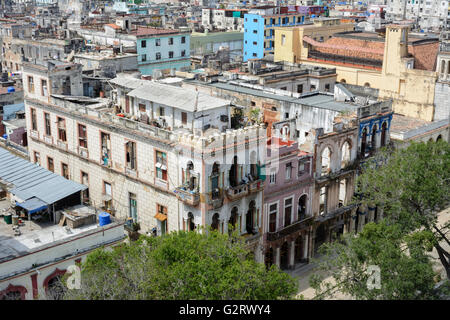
{"points": [[345, 154], [56, 288], [234, 170], [215, 174], [250, 218], [253, 165], [269, 257], [190, 177], [439, 138], [325, 161], [384, 134], [190, 222], [364, 142], [215, 221], [302, 202], [367, 85], [343, 81], [374, 137], [233, 220]]}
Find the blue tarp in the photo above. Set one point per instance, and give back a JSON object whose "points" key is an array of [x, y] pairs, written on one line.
{"points": [[33, 205]]}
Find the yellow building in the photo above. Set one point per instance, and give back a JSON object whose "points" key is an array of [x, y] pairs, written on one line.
{"points": [[400, 68]]}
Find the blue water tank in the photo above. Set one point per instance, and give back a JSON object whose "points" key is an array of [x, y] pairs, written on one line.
{"points": [[11, 89], [104, 219], [5, 136]]}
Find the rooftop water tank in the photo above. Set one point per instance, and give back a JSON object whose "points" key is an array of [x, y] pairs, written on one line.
{"points": [[11, 89], [104, 219]]}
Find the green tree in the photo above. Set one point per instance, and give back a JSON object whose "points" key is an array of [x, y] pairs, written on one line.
{"points": [[404, 263], [181, 265], [412, 186]]}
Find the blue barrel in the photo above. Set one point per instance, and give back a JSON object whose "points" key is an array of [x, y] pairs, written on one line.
{"points": [[104, 219], [5, 136], [11, 89]]}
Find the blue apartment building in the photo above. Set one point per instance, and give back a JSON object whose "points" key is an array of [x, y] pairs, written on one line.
{"points": [[162, 49], [259, 32]]}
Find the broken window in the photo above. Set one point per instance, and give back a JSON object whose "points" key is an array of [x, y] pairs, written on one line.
{"points": [[345, 150], [61, 129], [364, 142], [323, 201], [342, 192], [130, 148], [162, 210], [82, 136], [325, 163], [170, 54], [233, 219], [48, 129], [106, 148]]}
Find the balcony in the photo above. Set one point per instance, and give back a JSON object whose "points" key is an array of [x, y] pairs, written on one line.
{"points": [[83, 152], [255, 186], [62, 145], [34, 134], [161, 183], [296, 226], [215, 198], [131, 172], [190, 197], [48, 139], [334, 213], [238, 192]]}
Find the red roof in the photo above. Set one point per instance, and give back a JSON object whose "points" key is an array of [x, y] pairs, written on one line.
{"points": [[112, 25], [147, 31]]}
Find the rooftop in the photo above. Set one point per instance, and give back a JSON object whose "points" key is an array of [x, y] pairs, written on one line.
{"points": [[406, 128], [178, 97], [148, 31], [316, 99]]}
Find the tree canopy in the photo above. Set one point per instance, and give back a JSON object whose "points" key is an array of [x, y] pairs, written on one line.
{"points": [[181, 265], [412, 186]]}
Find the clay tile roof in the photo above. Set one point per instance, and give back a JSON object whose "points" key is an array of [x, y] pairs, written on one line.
{"points": [[112, 25], [145, 31]]}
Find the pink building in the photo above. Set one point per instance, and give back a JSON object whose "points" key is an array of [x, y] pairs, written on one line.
{"points": [[287, 203]]}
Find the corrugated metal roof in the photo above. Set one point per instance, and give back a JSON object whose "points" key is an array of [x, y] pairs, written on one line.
{"points": [[28, 180], [178, 97], [128, 82], [318, 100]]}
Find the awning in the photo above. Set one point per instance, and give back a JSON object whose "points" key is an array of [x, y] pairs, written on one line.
{"points": [[161, 217], [33, 205]]}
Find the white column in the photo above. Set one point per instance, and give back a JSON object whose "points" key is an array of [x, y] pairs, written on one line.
{"points": [[305, 247], [277, 256], [292, 255]]}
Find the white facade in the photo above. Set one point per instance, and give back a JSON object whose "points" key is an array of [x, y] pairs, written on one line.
{"points": [[429, 14]]}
